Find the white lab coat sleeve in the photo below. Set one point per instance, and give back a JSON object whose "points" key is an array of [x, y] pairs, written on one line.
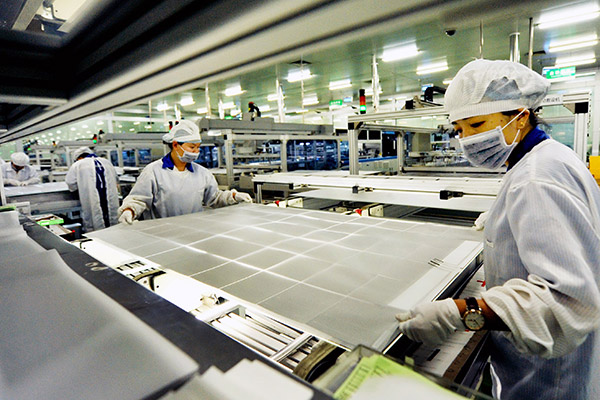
{"points": [[552, 312], [71, 178], [142, 195], [214, 197], [33, 176]]}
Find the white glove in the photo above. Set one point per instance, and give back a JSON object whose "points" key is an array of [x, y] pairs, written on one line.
{"points": [[24, 183], [479, 223], [126, 217], [242, 197], [12, 182], [431, 323]]}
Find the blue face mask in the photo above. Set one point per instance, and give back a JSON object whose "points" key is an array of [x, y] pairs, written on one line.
{"points": [[187, 156], [489, 149]]}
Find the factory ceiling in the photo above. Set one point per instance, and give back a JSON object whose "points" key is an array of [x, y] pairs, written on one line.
{"points": [[66, 61]]}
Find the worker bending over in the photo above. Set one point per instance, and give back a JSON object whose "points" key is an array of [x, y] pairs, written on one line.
{"points": [[95, 179], [18, 172]]}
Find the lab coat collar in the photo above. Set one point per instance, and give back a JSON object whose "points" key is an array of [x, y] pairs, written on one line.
{"points": [[167, 163], [532, 139]]}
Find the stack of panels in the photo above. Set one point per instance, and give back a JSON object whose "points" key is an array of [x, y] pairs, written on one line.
{"points": [[344, 276]]}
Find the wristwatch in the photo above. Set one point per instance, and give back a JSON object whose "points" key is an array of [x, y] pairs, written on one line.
{"points": [[473, 318]]}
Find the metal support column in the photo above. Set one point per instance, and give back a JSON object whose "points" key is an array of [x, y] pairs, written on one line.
{"points": [[229, 156], [400, 151], [219, 156], [120, 154], [283, 155], [580, 135], [353, 151], [339, 153]]}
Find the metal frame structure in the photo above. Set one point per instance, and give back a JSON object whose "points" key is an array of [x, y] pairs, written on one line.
{"points": [[225, 132]]}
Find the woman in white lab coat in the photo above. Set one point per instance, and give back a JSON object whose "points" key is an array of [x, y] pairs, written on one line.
{"points": [[95, 179], [175, 185], [542, 244]]}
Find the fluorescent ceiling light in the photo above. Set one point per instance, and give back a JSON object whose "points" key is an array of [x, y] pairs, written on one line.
{"points": [[581, 59], [58, 131], [369, 91], [234, 91], [573, 43], [100, 123], [202, 110], [568, 15], [299, 75], [43, 136], [310, 100], [401, 52], [162, 107], [132, 130], [73, 129], [264, 108], [272, 97], [49, 133], [136, 123], [301, 111], [148, 127], [581, 75], [84, 126], [187, 101], [432, 68], [446, 81], [341, 84], [228, 105], [214, 132]]}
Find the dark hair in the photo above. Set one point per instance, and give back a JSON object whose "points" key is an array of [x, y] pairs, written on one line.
{"points": [[534, 120], [170, 144]]}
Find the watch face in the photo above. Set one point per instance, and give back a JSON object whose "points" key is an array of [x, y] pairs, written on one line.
{"points": [[474, 320]]}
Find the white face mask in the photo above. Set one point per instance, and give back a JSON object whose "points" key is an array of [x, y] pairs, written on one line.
{"points": [[489, 149], [187, 156]]}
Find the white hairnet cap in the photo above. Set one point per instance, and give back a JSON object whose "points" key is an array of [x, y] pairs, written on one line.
{"points": [[184, 132], [485, 87], [80, 151], [19, 159]]}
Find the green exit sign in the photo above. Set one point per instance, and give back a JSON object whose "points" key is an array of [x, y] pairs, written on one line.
{"points": [[336, 102], [555, 73]]}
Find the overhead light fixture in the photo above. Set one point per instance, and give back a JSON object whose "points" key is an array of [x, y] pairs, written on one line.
{"points": [[301, 111], [58, 131], [229, 105], [432, 68], [400, 52], [100, 123], [84, 126], [234, 90], [148, 127], [49, 133], [87, 132], [369, 91], [132, 130], [573, 43], [136, 123], [43, 136], [568, 15], [162, 107], [73, 129], [581, 59], [187, 100], [299, 75], [202, 110], [310, 100], [234, 112], [584, 74], [214, 132], [341, 84], [264, 108], [446, 81]]}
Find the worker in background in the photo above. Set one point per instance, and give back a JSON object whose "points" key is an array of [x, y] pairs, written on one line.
{"points": [[95, 179], [541, 249], [18, 172], [253, 110], [176, 185]]}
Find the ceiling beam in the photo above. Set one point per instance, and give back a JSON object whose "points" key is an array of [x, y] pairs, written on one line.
{"points": [[26, 15]]}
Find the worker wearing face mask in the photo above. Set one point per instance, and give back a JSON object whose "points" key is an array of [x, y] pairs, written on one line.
{"points": [[541, 249], [18, 172], [95, 179], [176, 185]]}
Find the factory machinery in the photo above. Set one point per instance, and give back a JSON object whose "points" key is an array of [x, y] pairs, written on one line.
{"points": [[297, 287]]}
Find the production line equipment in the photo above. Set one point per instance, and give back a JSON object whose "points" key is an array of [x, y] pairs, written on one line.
{"points": [[252, 147]]}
